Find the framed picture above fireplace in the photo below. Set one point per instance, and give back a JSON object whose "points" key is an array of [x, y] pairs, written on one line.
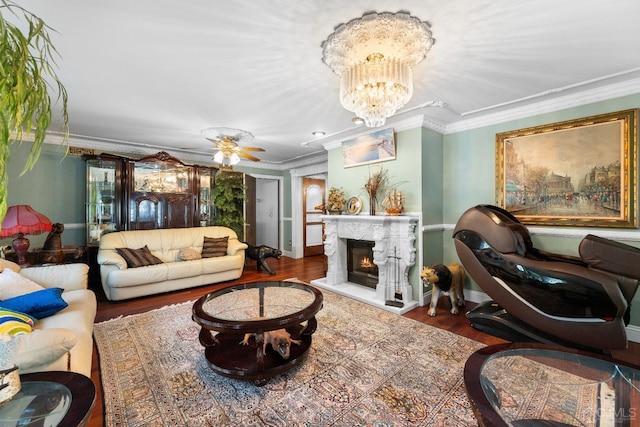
{"points": [[375, 147]]}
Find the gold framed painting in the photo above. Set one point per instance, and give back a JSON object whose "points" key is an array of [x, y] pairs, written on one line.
{"points": [[576, 173]]}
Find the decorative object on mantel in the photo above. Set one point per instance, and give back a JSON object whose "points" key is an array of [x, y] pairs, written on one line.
{"points": [[376, 184], [354, 205], [393, 202], [373, 55], [226, 141], [21, 220], [336, 201]]}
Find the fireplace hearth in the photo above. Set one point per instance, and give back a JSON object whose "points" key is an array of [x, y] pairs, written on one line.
{"points": [[393, 252]]}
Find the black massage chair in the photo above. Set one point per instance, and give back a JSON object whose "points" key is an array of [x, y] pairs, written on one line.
{"points": [[580, 302]]}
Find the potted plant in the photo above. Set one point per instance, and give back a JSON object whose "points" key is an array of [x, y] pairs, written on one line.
{"points": [[26, 78], [336, 201], [228, 197]]}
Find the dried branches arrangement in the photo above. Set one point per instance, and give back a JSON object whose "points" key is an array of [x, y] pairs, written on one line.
{"points": [[376, 184]]}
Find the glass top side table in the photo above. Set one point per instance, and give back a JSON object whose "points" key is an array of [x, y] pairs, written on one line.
{"points": [[541, 385], [50, 398]]}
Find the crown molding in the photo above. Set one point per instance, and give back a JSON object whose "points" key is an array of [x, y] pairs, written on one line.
{"points": [[602, 93], [130, 149], [502, 114]]}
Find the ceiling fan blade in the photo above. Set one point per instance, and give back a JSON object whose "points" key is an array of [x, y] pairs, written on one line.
{"points": [[251, 149], [248, 157]]}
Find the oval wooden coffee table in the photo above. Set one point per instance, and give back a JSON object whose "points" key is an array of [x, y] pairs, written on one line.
{"points": [[258, 309]]}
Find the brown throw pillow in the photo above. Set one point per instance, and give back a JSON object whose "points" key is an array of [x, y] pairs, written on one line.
{"points": [[138, 257], [214, 246]]}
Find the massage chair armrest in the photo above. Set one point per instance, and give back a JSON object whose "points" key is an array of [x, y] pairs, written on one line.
{"points": [[611, 256]]}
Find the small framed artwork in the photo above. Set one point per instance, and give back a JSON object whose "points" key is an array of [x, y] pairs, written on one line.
{"points": [[578, 172], [375, 147], [354, 206]]}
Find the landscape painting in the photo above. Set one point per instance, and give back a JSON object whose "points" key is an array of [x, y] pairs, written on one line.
{"points": [[578, 172], [375, 147]]}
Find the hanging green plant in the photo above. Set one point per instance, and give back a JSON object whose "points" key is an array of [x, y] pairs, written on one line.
{"points": [[228, 198], [26, 77]]}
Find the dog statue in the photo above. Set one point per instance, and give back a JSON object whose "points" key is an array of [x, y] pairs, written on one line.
{"points": [[279, 340], [259, 253], [445, 280], [51, 252]]}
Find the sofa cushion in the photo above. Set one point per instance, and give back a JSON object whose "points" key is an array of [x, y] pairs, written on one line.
{"points": [[13, 284], [42, 347], [13, 322], [138, 257], [188, 254], [214, 246], [38, 304]]}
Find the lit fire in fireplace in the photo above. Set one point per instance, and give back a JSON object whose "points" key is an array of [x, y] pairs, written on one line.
{"points": [[366, 263]]}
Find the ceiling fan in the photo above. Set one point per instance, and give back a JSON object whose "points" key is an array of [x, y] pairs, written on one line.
{"points": [[226, 142]]}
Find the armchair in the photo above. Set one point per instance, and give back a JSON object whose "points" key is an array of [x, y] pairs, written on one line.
{"points": [[551, 298]]}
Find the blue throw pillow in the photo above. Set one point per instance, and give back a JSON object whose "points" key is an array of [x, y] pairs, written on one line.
{"points": [[38, 304]]}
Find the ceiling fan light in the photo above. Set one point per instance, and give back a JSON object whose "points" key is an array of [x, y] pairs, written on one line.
{"points": [[234, 159], [218, 157]]}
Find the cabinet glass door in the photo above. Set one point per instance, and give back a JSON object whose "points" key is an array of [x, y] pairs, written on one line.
{"points": [[102, 214], [205, 199]]}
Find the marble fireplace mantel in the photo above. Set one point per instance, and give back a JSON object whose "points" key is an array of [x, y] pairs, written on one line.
{"points": [[394, 253]]}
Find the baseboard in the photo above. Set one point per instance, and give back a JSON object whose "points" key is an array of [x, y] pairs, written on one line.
{"points": [[633, 333]]}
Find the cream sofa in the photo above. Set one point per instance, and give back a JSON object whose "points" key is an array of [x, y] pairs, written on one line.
{"points": [[64, 340], [120, 282]]}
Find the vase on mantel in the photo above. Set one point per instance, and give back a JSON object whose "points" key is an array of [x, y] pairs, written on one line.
{"points": [[334, 212], [372, 204]]}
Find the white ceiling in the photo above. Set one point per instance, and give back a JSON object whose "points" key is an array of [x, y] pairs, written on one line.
{"points": [[153, 73]]}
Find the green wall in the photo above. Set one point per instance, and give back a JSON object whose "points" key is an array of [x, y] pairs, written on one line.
{"points": [[55, 187]]}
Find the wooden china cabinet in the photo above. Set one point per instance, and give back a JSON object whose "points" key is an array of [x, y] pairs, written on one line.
{"points": [[157, 191]]}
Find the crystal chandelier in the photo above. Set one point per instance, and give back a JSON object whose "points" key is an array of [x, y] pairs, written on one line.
{"points": [[374, 56]]}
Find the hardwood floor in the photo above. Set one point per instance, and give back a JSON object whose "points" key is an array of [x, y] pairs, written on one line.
{"points": [[305, 269]]}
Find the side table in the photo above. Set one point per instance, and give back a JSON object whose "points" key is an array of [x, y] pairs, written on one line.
{"points": [[54, 398]]}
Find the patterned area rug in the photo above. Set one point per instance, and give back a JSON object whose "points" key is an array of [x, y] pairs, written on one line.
{"points": [[366, 367]]}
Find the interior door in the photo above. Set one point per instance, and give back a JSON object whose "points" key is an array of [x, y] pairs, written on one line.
{"points": [[312, 196], [250, 210], [267, 213]]}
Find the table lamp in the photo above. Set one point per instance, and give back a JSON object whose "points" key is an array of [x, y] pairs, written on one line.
{"points": [[21, 220]]}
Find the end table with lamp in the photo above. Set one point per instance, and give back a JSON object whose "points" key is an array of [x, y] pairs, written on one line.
{"points": [[21, 220]]}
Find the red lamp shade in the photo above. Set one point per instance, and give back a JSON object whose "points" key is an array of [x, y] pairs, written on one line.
{"points": [[21, 220]]}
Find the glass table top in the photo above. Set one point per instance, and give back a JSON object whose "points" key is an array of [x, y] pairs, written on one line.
{"points": [[259, 301], [38, 403], [551, 387]]}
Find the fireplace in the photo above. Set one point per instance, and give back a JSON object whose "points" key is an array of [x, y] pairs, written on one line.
{"points": [[393, 253], [360, 266]]}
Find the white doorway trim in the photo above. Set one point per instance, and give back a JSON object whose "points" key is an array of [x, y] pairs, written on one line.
{"points": [[297, 246], [280, 203]]}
